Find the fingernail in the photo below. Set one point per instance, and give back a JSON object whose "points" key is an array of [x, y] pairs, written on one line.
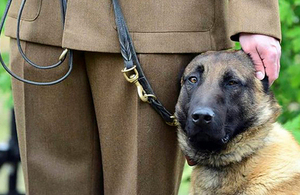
{"points": [[260, 75]]}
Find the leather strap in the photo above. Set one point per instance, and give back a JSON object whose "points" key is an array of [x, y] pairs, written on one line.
{"points": [[131, 62], [61, 58]]}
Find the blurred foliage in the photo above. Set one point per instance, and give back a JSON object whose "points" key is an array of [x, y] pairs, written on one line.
{"points": [[185, 180], [2, 6], [286, 88], [5, 84]]}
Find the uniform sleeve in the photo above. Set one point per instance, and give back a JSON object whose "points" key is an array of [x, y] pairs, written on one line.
{"points": [[254, 16]]}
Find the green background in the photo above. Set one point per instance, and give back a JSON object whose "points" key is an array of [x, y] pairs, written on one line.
{"points": [[286, 88]]}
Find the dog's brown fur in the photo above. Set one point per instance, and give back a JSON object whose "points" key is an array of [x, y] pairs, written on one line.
{"points": [[264, 159]]}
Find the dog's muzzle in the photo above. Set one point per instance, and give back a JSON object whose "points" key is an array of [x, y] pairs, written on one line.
{"points": [[205, 129], [203, 116]]}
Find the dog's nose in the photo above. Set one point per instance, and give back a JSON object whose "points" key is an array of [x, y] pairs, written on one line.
{"points": [[203, 116]]}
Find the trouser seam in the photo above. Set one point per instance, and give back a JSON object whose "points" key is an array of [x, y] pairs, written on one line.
{"points": [[92, 165], [25, 123]]}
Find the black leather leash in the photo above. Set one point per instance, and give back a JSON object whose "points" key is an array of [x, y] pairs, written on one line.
{"points": [[133, 71], [61, 58]]}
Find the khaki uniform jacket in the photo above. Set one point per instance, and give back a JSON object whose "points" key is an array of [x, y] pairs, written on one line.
{"points": [[156, 26]]}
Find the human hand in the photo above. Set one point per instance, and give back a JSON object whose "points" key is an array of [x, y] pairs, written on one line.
{"points": [[265, 52]]}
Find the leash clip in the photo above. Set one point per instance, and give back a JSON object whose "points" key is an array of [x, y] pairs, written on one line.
{"points": [[132, 76], [174, 123]]}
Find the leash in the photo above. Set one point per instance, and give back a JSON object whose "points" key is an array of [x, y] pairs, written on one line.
{"points": [[61, 58], [133, 72]]}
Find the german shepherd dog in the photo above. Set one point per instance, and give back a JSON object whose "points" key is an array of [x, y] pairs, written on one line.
{"points": [[228, 130]]}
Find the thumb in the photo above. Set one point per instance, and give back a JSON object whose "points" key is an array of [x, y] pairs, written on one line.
{"points": [[259, 65]]}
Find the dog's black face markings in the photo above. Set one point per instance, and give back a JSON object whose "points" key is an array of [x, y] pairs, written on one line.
{"points": [[238, 96], [230, 81], [211, 118], [194, 79], [188, 85], [217, 116], [265, 83]]}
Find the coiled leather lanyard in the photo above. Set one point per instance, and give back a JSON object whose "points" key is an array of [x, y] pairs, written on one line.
{"points": [[61, 58]]}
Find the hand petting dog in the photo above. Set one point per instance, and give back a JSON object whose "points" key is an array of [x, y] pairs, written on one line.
{"points": [[228, 129], [265, 52]]}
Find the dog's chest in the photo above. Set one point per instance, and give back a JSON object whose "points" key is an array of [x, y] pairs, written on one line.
{"points": [[217, 180]]}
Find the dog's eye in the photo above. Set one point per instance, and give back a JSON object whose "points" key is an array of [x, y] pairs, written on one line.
{"points": [[193, 79], [232, 82]]}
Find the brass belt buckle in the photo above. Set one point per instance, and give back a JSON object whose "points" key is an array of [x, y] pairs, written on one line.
{"points": [[132, 76]]}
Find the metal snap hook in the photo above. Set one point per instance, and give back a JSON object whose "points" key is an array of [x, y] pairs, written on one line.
{"points": [[132, 76]]}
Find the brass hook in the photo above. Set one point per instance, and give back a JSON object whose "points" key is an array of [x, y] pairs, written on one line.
{"points": [[134, 78]]}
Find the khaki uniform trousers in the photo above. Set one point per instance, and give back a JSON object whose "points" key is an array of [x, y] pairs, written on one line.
{"points": [[91, 134]]}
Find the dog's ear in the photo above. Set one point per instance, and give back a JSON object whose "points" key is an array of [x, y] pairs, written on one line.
{"points": [[265, 84], [180, 78]]}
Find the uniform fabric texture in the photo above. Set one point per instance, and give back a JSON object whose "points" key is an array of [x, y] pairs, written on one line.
{"points": [[168, 26], [91, 134]]}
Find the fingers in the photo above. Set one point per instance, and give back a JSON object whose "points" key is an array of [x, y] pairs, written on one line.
{"points": [[278, 59], [265, 52], [270, 60], [259, 65]]}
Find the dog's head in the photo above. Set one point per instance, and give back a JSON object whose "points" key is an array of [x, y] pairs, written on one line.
{"points": [[221, 98]]}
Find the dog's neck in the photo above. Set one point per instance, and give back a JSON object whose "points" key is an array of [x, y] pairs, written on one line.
{"points": [[238, 149]]}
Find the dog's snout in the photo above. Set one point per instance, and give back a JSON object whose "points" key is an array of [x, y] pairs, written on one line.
{"points": [[203, 116]]}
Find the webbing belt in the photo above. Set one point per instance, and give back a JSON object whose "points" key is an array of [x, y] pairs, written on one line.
{"points": [[133, 71]]}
